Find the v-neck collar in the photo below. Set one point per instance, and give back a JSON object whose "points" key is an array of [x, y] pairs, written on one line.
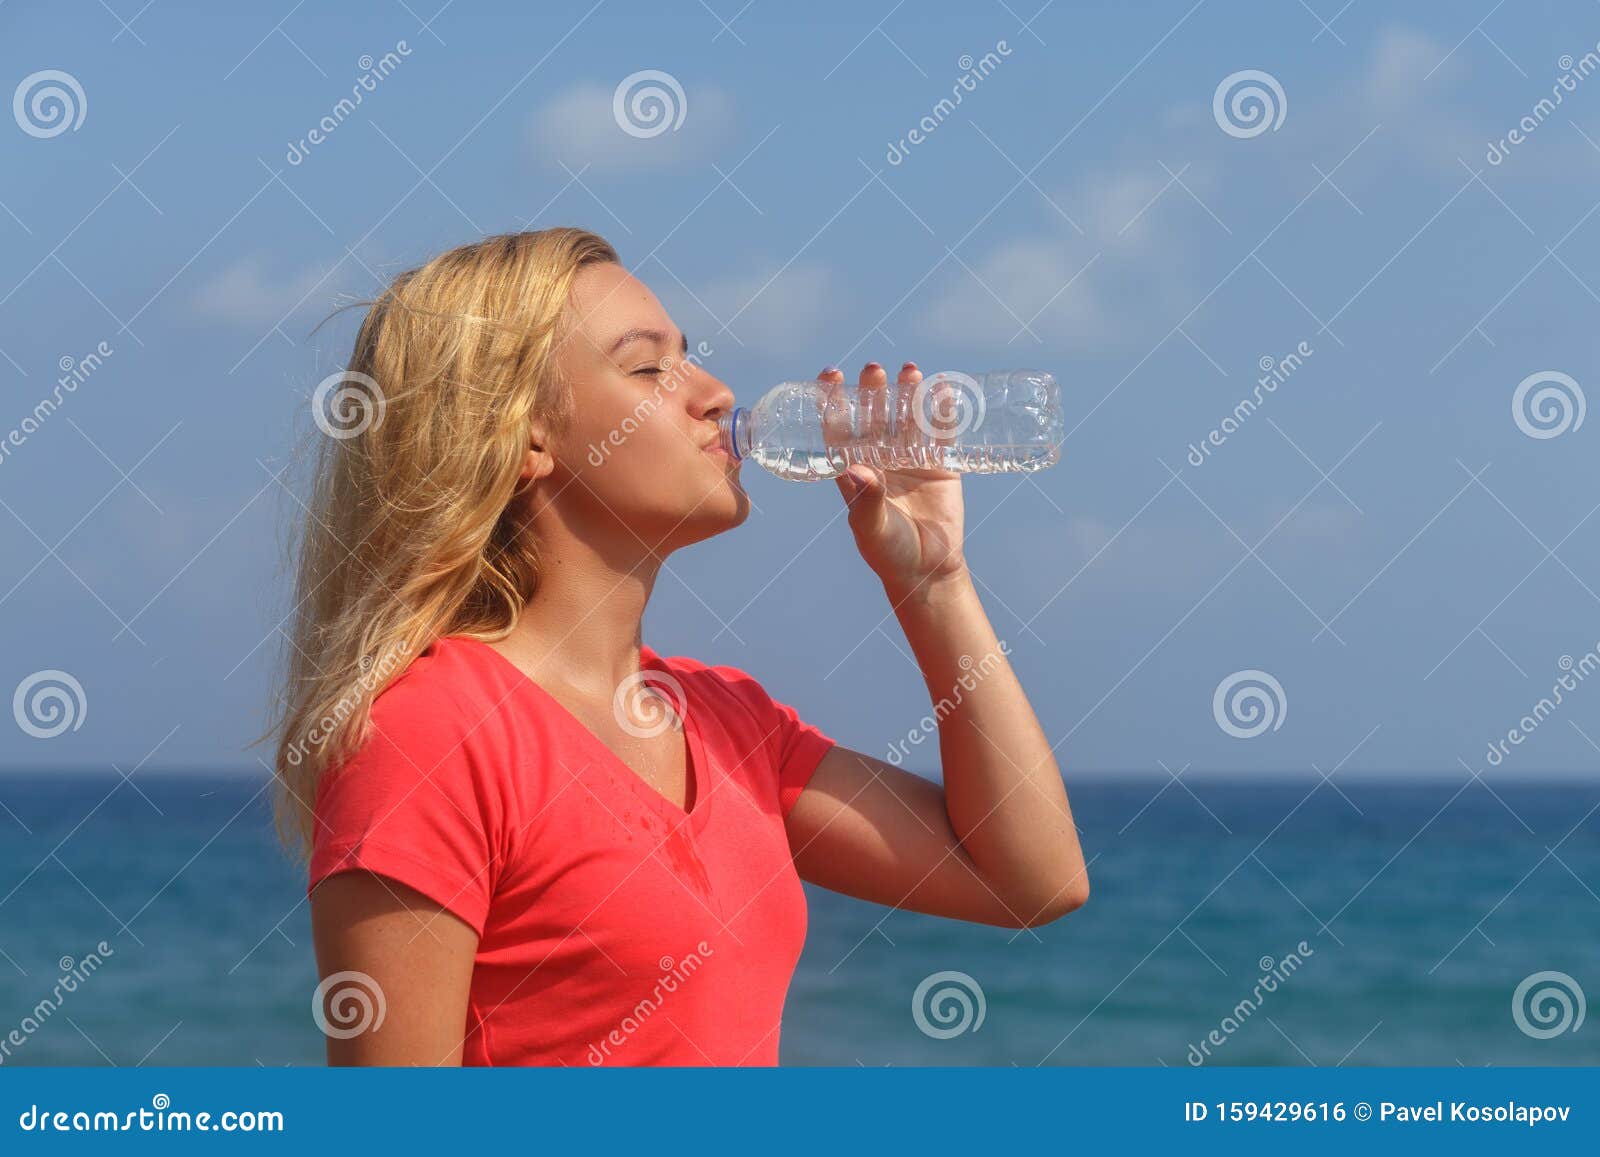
{"points": [[694, 750]]}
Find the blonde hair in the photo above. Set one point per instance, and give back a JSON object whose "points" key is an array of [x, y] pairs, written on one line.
{"points": [[408, 533]]}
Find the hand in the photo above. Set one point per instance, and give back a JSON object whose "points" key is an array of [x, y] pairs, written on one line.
{"points": [[907, 523]]}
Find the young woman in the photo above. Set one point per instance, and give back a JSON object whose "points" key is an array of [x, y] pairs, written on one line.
{"points": [[531, 838]]}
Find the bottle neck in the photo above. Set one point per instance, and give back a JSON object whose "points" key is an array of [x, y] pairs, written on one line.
{"points": [[735, 430]]}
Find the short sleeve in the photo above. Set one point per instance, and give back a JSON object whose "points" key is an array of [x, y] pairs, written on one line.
{"points": [[795, 747], [801, 748], [411, 805]]}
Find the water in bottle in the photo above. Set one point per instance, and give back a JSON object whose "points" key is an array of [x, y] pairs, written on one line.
{"points": [[804, 431]]}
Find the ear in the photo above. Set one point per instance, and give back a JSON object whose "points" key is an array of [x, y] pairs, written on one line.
{"points": [[538, 460]]}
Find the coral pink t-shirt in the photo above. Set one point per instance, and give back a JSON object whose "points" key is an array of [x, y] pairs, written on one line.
{"points": [[614, 929]]}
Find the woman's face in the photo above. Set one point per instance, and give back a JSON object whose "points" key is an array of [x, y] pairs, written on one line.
{"points": [[642, 453]]}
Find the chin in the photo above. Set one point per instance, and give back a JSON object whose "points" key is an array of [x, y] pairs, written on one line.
{"points": [[741, 507], [726, 508]]}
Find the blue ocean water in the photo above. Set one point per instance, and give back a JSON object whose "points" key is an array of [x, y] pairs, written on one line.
{"points": [[1422, 907]]}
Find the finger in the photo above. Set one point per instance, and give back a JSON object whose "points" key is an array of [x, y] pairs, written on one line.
{"points": [[943, 405], [873, 420], [903, 430], [864, 494], [836, 430]]}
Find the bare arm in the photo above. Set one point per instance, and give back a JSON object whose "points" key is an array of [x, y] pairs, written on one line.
{"points": [[995, 845], [415, 960]]}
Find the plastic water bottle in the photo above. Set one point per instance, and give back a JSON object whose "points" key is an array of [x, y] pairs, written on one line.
{"points": [[999, 422]]}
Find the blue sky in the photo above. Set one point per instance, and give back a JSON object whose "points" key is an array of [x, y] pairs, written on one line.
{"points": [[1381, 535]]}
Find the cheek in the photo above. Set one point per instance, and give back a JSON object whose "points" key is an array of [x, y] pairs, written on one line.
{"points": [[625, 429], [639, 464], [594, 444]]}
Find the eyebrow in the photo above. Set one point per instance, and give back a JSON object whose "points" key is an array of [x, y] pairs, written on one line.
{"points": [[656, 335]]}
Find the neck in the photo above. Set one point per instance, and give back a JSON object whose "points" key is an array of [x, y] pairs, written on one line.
{"points": [[581, 628]]}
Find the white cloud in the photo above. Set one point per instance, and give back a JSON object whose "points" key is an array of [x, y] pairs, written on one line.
{"points": [[1312, 523], [1174, 556], [1407, 87], [1404, 61], [783, 312], [1140, 215], [1119, 207], [1022, 282], [578, 127], [247, 293], [1066, 285], [1132, 208], [1146, 556]]}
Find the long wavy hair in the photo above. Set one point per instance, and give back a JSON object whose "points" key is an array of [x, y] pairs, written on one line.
{"points": [[410, 531]]}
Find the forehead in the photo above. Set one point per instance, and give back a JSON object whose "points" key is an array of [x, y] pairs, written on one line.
{"points": [[607, 301]]}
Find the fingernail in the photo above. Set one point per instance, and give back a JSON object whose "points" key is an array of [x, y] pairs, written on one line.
{"points": [[873, 366], [909, 366], [830, 369]]}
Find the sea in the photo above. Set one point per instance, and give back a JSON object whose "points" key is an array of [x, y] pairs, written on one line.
{"points": [[1341, 921]]}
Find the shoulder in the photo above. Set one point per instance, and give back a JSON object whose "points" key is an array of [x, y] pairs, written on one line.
{"points": [[787, 747], [441, 720], [728, 687], [453, 687], [741, 701]]}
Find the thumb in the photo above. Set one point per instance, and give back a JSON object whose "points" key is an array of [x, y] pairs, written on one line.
{"points": [[864, 494]]}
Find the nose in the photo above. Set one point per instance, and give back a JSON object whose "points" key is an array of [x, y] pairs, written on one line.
{"points": [[711, 398]]}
